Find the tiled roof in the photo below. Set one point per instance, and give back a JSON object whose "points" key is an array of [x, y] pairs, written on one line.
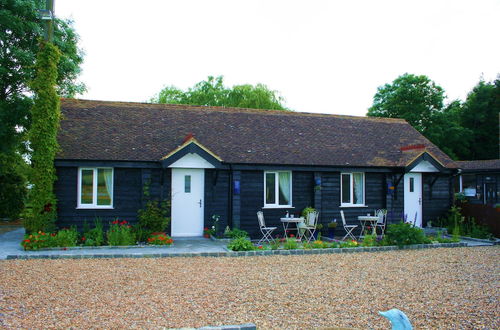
{"points": [[492, 164], [101, 130]]}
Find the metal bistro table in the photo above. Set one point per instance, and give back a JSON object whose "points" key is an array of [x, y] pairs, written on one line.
{"points": [[366, 220], [286, 223]]}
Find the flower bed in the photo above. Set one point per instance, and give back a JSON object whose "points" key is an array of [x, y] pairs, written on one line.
{"points": [[119, 234], [401, 234]]}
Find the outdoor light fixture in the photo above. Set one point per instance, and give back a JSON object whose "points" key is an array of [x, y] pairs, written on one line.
{"points": [[236, 187], [318, 181], [46, 14]]}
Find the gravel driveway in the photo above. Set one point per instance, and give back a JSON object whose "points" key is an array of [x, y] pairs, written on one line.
{"points": [[436, 288]]}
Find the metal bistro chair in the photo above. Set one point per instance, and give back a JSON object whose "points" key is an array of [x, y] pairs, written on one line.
{"points": [[382, 220], [348, 228], [310, 226], [266, 231]]}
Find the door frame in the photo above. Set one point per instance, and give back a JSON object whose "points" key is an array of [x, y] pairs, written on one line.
{"points": [[407, 201], [177, 210]]}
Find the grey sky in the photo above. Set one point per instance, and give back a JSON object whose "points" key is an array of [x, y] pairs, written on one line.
{"points": [[323, 56]]}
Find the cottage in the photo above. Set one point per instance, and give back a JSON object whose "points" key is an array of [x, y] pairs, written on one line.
{"points": [[234, 162]]}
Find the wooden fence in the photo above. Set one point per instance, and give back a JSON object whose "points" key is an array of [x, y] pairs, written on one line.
{"points": [[484, 214]]}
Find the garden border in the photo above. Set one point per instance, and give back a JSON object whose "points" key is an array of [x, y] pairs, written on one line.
{"points": [[240, 253], [104, 247]]}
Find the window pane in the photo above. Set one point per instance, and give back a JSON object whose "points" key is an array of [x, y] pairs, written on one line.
{"points": [[346, 188], [187, 183], [358, 188], [270, 188], [87, 186], [411, 184], [284, 188], [104, 186], [469, 184]]}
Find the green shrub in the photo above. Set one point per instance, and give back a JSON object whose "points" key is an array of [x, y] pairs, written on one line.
{"points": [[154, 216], [120, 233], [235, 233], [141, 234], [290, 244], [479, 231], [66, 237], [403, 234], [349, 244], [369, 240], [275, 244], [241, 244], [94, 236], [13, 188]]}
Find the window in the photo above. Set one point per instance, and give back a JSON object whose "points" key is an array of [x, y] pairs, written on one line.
{"points": [[187, 183], [412, 185], [278, 189], [352, 187], [469, 184], [95, 188]]}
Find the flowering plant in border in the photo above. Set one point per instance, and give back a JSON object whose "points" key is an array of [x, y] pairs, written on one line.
{"points": [[208, 231], [160, 239], [37, 241], [120, 233]]}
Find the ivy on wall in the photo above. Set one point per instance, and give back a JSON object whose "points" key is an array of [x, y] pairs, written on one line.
{"points": [[45, 123]]}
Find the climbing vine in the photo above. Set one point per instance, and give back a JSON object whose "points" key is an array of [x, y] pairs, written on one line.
{"points": [[45, 115]]}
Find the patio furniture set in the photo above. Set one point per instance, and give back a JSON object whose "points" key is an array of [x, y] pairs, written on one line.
{"points": [[305, 228]]}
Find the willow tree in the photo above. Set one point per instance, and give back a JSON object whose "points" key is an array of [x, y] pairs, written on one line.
{"points": [[45, 123]]}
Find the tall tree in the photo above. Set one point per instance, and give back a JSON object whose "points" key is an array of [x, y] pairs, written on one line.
{"points": [[480, 115], [414, 98], [20, 31], [43, 134], [447, 132], [212, 92]]}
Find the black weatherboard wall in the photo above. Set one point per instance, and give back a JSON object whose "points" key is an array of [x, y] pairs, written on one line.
{"points": [[437, 196], [375, 198], [252, 200], [217, 197], [128, 198]]}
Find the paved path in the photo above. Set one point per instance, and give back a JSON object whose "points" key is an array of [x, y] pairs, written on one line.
{"points": [[10, 245]]}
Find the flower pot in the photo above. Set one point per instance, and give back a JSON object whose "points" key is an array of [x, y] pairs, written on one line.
{"points": [[331, 232]]}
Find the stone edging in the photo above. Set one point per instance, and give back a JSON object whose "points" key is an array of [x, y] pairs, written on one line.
{"points": [[105, 247], [496, 241], [240, 253]]}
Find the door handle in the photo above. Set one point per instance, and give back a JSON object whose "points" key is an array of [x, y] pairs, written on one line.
{"points": [[200, 202], [420, 201]]}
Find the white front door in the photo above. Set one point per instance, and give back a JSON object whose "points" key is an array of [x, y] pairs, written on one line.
{"points": [[188, 186], [413, 198]]}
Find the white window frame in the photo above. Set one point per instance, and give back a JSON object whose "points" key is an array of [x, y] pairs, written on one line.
{"points": [[94, 188], [351, 192], [276, 190]]}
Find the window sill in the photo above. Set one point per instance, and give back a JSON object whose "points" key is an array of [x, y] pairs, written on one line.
{"points": [[352, 205], [95, 208], [278, 207]]}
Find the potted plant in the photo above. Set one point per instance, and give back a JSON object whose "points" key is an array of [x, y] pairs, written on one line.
{"points": [[331, 228], [317, 233]]}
